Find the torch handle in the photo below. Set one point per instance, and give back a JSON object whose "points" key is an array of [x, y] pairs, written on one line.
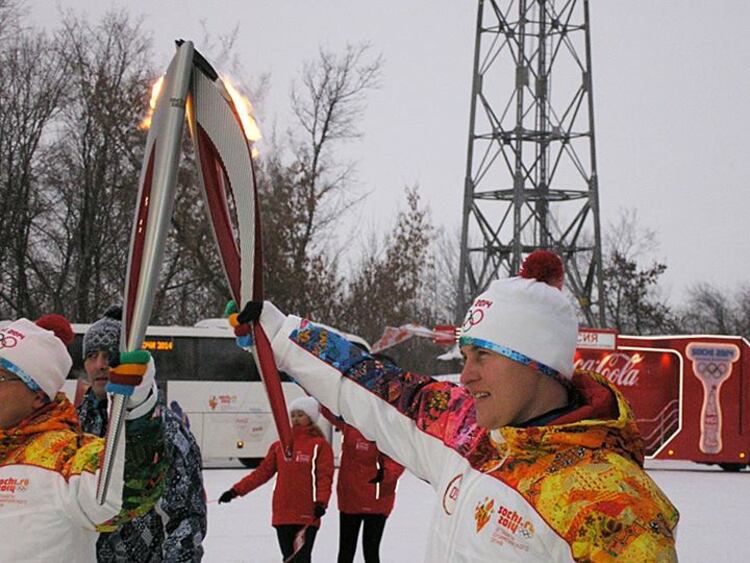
{"points": [[114, 431], [264, 360]]}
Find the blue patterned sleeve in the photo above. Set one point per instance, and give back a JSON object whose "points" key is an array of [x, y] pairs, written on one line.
{"points": [[184, 502]]}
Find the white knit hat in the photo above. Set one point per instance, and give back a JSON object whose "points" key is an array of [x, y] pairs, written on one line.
{"points": [[307, 405], [527, 318], [36, 356]]}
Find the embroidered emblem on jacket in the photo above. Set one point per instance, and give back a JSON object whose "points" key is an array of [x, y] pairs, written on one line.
{"points": [[450, 496], [483, 513]]}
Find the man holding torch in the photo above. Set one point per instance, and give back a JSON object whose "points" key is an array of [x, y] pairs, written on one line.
{"points": [[49, 468], [530, 460]]}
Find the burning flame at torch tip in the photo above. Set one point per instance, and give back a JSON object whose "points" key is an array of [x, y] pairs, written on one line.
{"points": [[241, 103], [155, 91], [245, 111]]}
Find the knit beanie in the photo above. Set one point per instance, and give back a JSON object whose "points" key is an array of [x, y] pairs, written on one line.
{"points": [[104, 334], [35, 355], [527, 318], [307, 405]]}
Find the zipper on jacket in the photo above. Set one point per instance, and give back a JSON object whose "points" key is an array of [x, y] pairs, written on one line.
{"points": [[377, 485], [313, 473]]}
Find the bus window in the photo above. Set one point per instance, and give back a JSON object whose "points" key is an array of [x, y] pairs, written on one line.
{"points": [[219, 359], [188, 358]]}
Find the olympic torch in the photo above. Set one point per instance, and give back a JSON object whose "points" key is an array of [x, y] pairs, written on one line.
{"points": [[152, 218], [221, 133]]}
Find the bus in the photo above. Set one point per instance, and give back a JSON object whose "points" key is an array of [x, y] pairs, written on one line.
{"points": [[203, 374]]}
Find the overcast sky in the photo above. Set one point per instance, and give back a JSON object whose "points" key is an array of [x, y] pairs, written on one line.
{"points": [[671, 95]]}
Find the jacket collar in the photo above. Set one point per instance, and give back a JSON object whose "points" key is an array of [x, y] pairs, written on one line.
{"points": [[603, 419], [59, 414]]}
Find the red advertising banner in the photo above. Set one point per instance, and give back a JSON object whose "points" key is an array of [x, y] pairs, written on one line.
{"points": [[650, 381], [690, 394]]}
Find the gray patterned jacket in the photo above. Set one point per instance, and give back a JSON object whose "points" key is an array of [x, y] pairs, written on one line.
{"points": [[173, 532]]}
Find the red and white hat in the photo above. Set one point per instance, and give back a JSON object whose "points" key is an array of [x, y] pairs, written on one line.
{"points": [[527, 318], [35, 355]]}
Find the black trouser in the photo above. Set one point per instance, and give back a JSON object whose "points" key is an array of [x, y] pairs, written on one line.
{"points": [[371, 534], [286, 534]]}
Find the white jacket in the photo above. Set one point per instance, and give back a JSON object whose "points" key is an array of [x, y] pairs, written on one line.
{"points": [[48, 479]]}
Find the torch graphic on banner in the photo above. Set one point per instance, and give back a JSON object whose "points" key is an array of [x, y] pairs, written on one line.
{"points": [[712, 364], [226, 171]]}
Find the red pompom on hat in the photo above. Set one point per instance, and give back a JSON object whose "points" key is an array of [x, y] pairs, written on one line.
{"points": [[543, 266], [59, 325]]}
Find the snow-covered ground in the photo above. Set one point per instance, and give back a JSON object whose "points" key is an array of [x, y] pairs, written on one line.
{"points": [[714, 507]]}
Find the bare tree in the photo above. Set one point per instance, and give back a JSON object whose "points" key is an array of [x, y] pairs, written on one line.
{"points": [[391, 285], [743, 310], [711, 310], [444, 281], [304, 195], [631, 294], [10, 15], [31, 89], [94, 173]]}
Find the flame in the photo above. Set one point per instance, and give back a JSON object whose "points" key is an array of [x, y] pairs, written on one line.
{"points": [[245, 111], [242, 105], [155, 91]]}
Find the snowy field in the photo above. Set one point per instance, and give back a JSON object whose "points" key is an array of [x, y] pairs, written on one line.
{"points": [[714, 507]]}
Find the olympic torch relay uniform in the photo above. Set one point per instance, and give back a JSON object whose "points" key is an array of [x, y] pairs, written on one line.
{"points": [[360, 462], [302, 481], [49, 468], [48, 475], [554, 492]]}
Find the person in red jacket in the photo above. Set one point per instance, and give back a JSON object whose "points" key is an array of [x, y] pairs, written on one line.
{"points": [[366, 490], [303, 485], [366, 485]]}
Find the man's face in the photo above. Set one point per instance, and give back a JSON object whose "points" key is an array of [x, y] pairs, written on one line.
{"points": [[17, 401], [96, 365], [504, 390]]}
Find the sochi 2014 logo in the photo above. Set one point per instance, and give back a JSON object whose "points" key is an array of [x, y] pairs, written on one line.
{"points": [[11, 485], [513, 522]]}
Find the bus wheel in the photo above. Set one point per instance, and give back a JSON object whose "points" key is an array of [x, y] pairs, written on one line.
{"points": [[251, 462], [732, 467]]}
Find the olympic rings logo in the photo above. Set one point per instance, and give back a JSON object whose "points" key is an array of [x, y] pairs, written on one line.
{"points": [[712, 369], [7, 341], [473, 317]]}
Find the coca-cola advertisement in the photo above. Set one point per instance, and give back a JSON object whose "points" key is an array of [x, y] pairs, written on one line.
{"points": [[649, 380]]}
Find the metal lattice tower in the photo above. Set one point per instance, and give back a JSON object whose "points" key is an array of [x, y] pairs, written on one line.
{"points": [[531, 177]]}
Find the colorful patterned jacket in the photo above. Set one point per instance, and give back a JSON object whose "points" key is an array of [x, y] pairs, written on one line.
{"points": [[174, 530], [574, 491], [48, 475]]}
